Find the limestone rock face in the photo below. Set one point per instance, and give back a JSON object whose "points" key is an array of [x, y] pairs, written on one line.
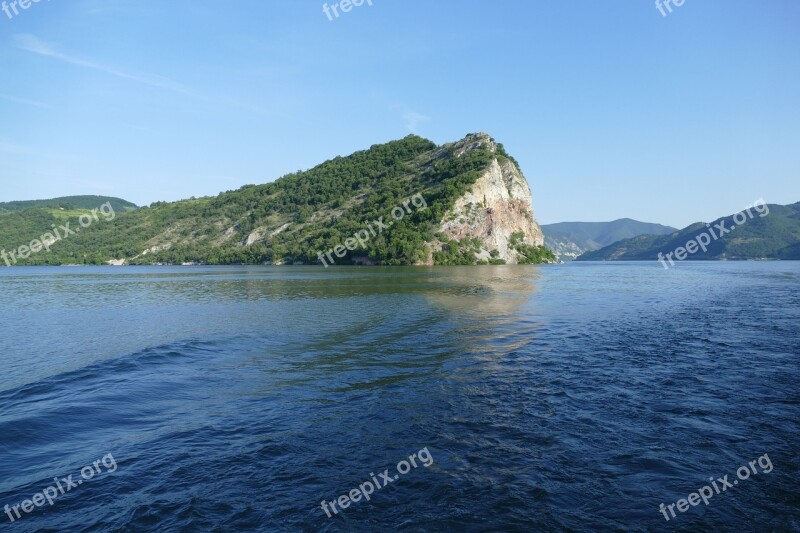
{"points": [[498, 205]]}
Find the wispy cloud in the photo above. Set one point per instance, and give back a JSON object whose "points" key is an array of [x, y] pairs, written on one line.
{"points": [[25, 101], [411, 118], [31, 43], [14, 148]]}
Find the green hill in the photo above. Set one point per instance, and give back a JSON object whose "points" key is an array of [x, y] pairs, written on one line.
{"points": [[295, 218], [68, 203], [771, 234]]}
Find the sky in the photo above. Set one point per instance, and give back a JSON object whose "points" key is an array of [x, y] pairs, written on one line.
{"points": [[612, 109]]}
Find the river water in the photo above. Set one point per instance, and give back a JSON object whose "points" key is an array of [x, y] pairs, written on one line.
{"points": [[570, 397]]}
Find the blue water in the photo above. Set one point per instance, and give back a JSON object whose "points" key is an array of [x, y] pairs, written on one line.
{"points": [[574, 397]]}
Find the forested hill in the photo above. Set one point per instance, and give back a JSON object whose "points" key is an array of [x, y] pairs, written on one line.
{"points": [[771, 233], [68, 203], [290, 220]]}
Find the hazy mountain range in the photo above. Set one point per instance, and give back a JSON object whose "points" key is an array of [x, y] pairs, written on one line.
{"points": [[569, 240]]}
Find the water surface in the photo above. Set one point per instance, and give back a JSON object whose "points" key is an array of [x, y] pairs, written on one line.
{"points": [[575, 397]]}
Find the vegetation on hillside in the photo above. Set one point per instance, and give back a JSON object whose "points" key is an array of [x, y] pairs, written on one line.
{"points": [[288, 221], [68, 203], [530, 255], [773, 236]]}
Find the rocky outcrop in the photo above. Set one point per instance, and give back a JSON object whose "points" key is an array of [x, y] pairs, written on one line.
{"points": [[498, 205]]}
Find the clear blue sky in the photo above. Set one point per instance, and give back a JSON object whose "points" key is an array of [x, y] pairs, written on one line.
{"points": [[612, 109]]}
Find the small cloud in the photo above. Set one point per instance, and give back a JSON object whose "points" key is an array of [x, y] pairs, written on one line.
{"points": [[31, 43], [411, 118]]}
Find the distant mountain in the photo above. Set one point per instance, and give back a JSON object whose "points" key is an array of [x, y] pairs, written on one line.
{"points": [[763, 232], [568, 240], [401, 203], [68, 202]]}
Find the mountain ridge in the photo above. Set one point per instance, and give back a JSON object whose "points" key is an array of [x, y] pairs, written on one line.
{"points": [[763, 231]]}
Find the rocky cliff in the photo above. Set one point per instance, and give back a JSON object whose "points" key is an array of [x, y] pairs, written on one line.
{"points": [[498, 206]]}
